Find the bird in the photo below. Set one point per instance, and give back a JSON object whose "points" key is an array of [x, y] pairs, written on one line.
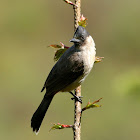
{"points": [[68, 73]]}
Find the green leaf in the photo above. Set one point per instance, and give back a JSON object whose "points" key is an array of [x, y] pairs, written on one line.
{"points": [[92, 105], [98, 59], [56, 126], [83, 21], [60, 126], [59, 53]]}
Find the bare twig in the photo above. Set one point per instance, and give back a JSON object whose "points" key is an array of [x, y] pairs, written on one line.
{"points": [[77, 13], [71, 3], [77, 116]]}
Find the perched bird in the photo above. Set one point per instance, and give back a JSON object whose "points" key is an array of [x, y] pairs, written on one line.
{"points": [[68, 73]]}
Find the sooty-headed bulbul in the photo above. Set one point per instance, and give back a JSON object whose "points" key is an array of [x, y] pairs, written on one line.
{"points": [[68, 73]]}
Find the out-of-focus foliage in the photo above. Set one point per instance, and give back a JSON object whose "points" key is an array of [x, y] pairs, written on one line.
{"points": [[128, 83], [28, 27]]}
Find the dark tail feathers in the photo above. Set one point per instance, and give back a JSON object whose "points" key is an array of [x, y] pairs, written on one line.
{"points": [[39, 114]]}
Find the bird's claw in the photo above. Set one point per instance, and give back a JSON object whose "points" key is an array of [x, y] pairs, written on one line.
{"points": [[77, 98]]}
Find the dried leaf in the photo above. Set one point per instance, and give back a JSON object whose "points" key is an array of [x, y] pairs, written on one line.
{"points": [[63, 46], [60, 51], [55, 46]]}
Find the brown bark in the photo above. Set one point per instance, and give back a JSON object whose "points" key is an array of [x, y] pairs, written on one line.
{"points": [[77, 109]]}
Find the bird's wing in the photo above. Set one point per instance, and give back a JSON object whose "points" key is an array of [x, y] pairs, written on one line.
{"points": [[64, 72]]}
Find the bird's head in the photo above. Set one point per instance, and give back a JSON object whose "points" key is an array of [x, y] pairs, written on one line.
{"points": [[80, 35]]}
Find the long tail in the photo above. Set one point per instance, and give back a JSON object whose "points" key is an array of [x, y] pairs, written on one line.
{"points": [[39, 114]]}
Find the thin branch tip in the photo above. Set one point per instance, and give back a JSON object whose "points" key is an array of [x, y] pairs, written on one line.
{"points": [[71, 3], [60, 126]]}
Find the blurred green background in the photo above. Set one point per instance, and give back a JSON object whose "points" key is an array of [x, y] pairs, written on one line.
{"points": [[28, 27]]}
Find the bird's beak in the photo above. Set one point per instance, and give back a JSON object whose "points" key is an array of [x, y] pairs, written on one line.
{"points": [[74, 40]]}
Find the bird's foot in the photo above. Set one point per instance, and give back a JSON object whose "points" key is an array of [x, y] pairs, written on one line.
{"points": [[77, 98]]}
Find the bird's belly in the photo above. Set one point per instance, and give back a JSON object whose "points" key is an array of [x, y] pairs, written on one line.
{"points": [[75, 84]]}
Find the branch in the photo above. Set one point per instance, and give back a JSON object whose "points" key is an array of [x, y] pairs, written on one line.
{"points": [[77, 110], [71, 3], [77, 116], [88, 106], [77, 13], [82, 21]]}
